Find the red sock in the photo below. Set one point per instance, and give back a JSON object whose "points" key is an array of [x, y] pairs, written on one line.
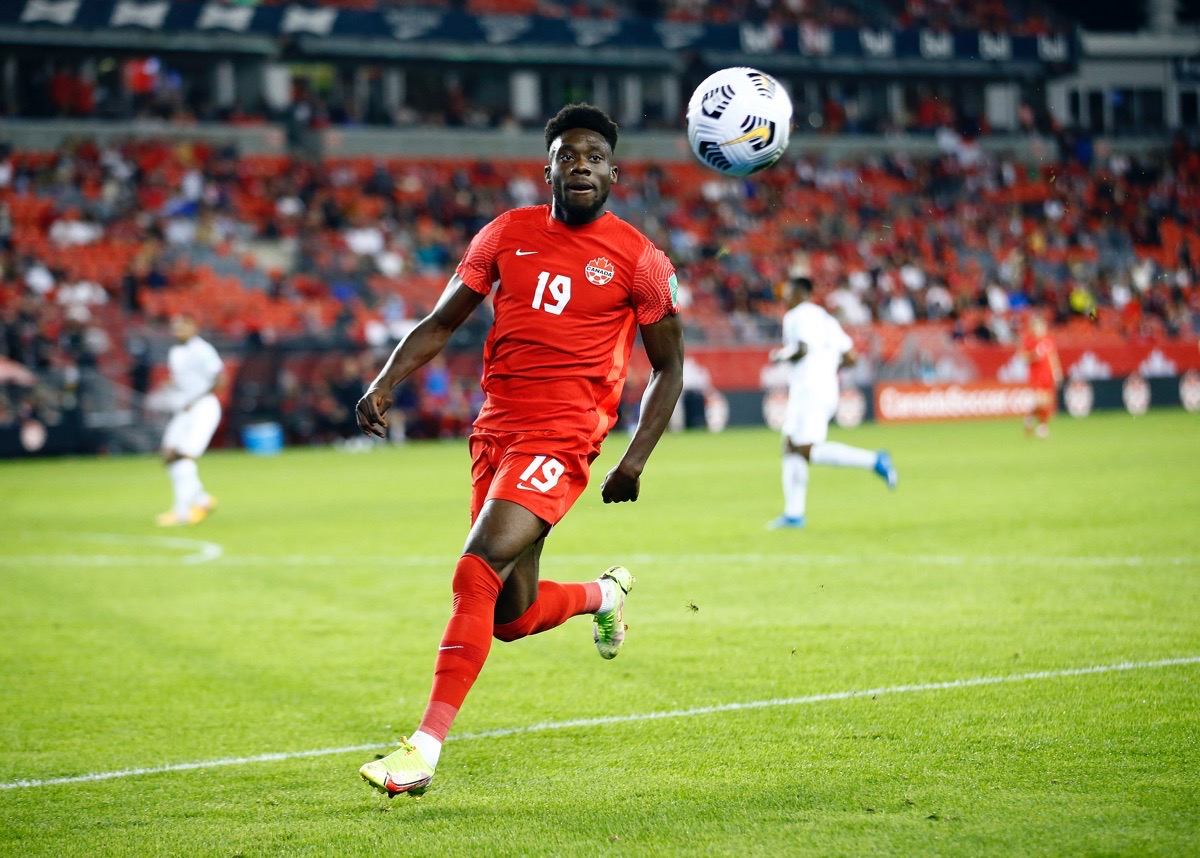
{"points": [[555, 604], [465, 644]]}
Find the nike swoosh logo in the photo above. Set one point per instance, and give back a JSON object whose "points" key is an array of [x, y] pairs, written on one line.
{"points": [[526, 488], [444, 648], [762, 132], [526, 252]]}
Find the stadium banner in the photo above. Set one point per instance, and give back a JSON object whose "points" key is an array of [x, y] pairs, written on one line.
{"points": [[1091, 362], [388, 29], [895, 403]]}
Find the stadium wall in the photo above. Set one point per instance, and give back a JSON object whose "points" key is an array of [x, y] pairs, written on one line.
{"points": [[47, 135], [749, 408]]}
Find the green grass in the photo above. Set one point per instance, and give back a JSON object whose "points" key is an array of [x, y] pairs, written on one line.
{"points": [[316, 626]]}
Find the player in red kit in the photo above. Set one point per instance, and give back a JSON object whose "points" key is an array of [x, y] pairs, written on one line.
{"points": [[572, 287], [1045, 375]]}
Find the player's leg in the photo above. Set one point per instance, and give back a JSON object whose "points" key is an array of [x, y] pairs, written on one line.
{"points": [[549, 604], [528, 606], [501, 534], [795, 485], [844, 456], [205, 418], [186, 438], [520, 593], [177, 475], [1043, 410], [185, 483], [838, 455], [797, 425]]}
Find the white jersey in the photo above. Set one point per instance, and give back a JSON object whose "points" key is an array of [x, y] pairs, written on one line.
{"points": [[194, 367], [814, 376]]}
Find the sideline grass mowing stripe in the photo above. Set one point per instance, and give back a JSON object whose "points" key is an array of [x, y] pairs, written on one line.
{"points": [[624, 719]]}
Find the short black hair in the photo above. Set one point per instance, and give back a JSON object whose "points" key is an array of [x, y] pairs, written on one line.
{"points": [[802, 283], [581, 116]]}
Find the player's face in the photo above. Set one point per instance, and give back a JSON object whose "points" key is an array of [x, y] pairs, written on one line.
{"points": [[793, 294], [580, 174], [183, 328]]}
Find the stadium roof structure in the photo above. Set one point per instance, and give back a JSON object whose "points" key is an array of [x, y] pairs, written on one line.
{"points": [[429, 34]]}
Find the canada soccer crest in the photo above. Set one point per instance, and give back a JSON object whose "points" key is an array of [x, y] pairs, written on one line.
{"points": [[599, 271]]}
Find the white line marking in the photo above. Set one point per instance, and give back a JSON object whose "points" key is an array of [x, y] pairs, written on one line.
{"points": [[620, 719], [201, 550]]}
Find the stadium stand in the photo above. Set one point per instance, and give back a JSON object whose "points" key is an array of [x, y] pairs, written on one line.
{"points": [[98, 242], [301, 237]]}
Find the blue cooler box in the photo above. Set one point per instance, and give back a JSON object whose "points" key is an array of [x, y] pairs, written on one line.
{"points": [[263, 439]]}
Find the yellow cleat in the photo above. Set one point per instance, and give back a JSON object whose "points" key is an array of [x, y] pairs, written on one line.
{"points": [[608, 629], [403, 770], [195, 515]]}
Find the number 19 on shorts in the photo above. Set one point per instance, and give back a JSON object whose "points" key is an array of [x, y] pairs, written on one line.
{"points": [[549, 469]]}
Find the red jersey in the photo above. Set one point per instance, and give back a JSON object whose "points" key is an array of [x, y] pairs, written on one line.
{"points": [[1040, 353], [568, 302]]}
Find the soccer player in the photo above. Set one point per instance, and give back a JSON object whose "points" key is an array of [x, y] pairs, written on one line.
{"points": [[1045, 375], [572, 285], [816, 347], [196, 373]]}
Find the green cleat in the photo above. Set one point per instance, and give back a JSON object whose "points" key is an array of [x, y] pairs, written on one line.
{"points": [[403, 770], [608, 629]]}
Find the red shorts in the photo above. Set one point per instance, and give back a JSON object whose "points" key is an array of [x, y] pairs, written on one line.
{"points": [[543, 473]]}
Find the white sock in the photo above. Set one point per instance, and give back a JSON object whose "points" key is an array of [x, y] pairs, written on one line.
{"points": [[842, 455], [795, 485], [185, 480], [608, 601], [429, 747]]}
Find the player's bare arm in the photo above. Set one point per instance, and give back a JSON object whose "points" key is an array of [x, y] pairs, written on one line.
{"points": [[850, 358], [414, 351], [663, 341]]}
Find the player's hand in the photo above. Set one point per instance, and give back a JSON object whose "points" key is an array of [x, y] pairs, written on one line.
{"points": [[621, 485], [371, 410]]}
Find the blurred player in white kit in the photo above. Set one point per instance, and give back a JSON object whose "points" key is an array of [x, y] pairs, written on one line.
{"points": [[196, 373], [816, 347]]}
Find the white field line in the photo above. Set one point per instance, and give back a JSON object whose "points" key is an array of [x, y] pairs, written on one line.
{"points": [[197, 550], [620, 719]]}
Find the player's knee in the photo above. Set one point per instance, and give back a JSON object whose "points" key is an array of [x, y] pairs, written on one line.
{"points": [[473, 579], [498, 556], [521, 627], [509, 632]]}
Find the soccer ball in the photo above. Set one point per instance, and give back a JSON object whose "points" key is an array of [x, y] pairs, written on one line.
{"points": [[738, 121]]}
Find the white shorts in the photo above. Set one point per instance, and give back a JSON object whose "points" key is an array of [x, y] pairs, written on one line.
{"points": [[190, 432], [807, 419]]}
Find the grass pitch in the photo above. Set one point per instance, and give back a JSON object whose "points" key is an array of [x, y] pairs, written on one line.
{"points": [[213, 690]]}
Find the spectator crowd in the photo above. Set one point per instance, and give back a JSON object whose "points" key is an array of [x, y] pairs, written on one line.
{"points": [[97, 242]]}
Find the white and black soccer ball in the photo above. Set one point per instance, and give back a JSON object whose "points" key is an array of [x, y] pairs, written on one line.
{"points": [[738, 121]]}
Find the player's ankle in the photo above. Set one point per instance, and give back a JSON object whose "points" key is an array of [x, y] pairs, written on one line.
{"points": [[430, 747], [608, 600]]}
